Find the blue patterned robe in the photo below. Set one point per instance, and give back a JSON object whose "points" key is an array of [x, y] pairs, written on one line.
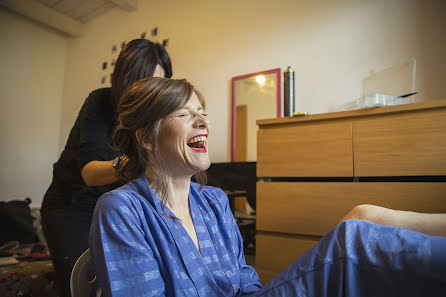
{"points": [[139, 251]]}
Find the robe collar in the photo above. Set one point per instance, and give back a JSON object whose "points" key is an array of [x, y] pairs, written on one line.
{"points": [[201, 277]]}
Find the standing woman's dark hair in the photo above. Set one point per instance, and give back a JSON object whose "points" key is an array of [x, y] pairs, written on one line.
{"points": [[87, 167], [137, 60]]}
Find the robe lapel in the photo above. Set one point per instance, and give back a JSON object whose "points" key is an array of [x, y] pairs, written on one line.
{"points": [[215, 253], [209, 256], [196, 268]]}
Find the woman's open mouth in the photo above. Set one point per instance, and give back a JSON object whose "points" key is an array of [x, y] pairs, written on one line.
{"points": [[198, 143]]}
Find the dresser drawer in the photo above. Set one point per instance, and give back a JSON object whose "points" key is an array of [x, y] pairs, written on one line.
{"points": [[406, 144], [310, 150], [314, 208], [276, 252]]}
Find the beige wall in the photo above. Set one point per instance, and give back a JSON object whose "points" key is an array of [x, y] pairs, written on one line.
{"points": [[332, 46], [32, 60]]}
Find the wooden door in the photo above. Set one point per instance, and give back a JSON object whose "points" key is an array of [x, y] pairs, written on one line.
{"points": [[241, 144]]}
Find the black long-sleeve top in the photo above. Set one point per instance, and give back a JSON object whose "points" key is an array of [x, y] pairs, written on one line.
{"points": [[90, 139]]}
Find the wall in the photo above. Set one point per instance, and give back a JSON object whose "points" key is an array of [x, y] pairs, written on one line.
{"points": [[332, 45], [32, 60]]}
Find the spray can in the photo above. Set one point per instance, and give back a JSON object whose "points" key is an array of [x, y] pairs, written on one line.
{"points": [[288, 92]]}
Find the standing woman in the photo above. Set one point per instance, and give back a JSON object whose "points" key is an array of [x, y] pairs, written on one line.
{"points": [[87, 167]]}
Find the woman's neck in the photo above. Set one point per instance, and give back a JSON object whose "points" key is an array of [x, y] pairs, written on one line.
{"points": [[177, 192], [178, 201]]}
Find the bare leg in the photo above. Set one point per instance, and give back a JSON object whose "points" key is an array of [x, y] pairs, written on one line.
{"points": [[360, 258]]}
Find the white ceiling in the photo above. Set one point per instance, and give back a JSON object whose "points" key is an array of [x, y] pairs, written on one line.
{"points": [[80, 10], [66, 16]]}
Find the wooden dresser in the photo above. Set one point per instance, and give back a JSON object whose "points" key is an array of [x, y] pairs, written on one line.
{"points": [[314, 169]]}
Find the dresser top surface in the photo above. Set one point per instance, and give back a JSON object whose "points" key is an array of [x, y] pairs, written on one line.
{"points": [[430, 104]]}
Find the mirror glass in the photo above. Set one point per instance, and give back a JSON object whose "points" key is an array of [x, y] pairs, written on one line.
{"points": [[254, 96]]}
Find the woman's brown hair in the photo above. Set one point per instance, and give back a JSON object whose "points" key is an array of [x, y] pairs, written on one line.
{"points": [[143, 106]]}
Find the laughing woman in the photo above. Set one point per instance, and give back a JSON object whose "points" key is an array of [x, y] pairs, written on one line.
{"points": [[163, 235]]}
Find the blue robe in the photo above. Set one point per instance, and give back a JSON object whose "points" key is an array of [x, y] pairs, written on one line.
{"points": [[141, 251]]}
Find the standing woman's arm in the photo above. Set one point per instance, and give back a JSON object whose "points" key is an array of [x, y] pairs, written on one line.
{"points": [[96, 131], [99, 173], [429, 223]]}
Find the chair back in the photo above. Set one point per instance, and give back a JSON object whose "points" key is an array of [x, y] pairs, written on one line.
{"points": [[83, 277]]}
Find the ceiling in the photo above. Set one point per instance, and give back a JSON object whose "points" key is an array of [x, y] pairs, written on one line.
{"points": [[66, 16]]}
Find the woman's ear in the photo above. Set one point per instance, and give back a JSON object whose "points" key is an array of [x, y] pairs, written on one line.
{"points": [[139, 138]]}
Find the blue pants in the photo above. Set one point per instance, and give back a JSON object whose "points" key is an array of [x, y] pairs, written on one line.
{"points": [[360, 258]]}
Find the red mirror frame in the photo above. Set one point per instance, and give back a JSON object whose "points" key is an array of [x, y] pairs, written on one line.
{"points": [[278, 98]]}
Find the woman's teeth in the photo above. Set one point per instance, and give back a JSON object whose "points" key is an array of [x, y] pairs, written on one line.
{"points": [[197, 139], [197, 142]]}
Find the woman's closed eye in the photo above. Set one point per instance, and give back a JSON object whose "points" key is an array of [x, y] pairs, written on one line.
{"points": [[186, 112], [183, 114]]}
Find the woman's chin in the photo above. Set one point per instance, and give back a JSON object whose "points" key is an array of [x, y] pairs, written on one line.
{"points": [[199, 161], [206, 166], [200, 164]]}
